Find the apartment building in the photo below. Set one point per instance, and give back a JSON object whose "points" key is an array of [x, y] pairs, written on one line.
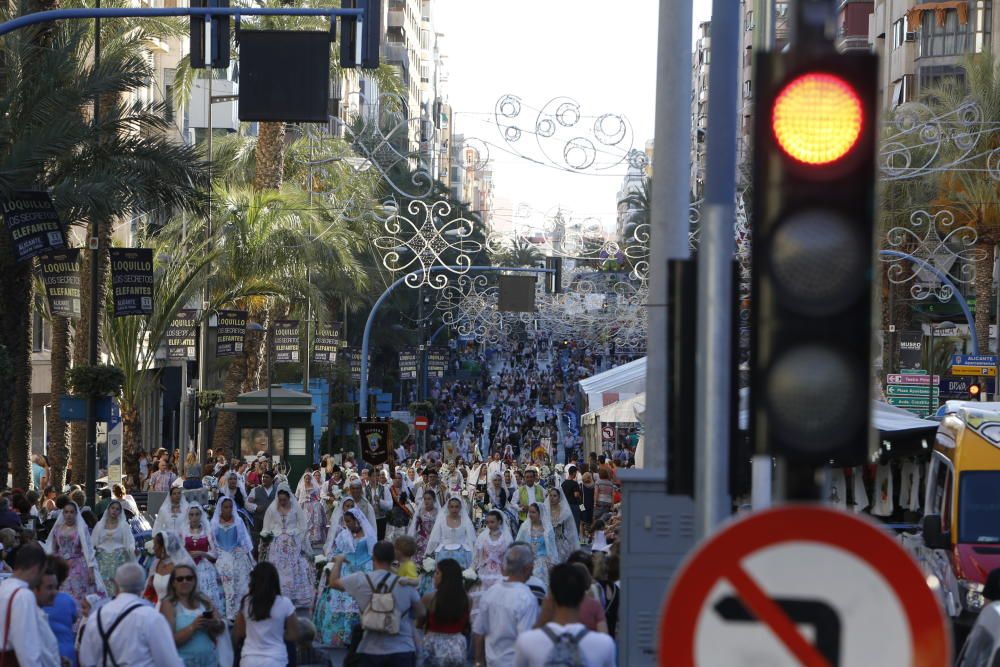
{"points": [[922, 43]]}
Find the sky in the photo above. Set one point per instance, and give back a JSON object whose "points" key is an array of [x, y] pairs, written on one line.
{"points": [[600, 54]]}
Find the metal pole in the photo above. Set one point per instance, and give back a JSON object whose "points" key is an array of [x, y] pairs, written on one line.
{"points": [[930, 369], [996, 350], [713, 368], [95, 302], [206, 293], [267, 359], [308, 360], [669, 214], [763, 35]]}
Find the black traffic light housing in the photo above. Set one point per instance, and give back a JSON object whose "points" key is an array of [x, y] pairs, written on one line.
{"points": [[370, 34], [813, 253], [553, 276], [975, 391], [213, 52]]}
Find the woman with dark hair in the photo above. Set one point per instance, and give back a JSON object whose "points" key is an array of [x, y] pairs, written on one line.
{"points": [[447, 617], [266, 620], [193, 618]]}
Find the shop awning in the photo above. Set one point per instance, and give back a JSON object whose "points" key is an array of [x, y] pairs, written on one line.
{"points": [[620, 412], [618, 383]]}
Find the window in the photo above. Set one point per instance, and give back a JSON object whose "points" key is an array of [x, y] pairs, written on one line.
{"points": [[930, 77], [748, 89], [749, 21], [781, 9], [296, 442], [979, 500], [899, 30], [253, 441], [955, 38]]}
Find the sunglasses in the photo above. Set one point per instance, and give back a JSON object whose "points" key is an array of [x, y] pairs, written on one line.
{"points": [[183, 579]]}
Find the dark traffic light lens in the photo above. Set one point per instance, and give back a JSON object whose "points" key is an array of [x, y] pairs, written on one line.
{"points": [[818, 262], [812, 396]]}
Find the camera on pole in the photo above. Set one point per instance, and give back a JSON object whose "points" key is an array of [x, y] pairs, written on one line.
{"points": [[813, 254]]}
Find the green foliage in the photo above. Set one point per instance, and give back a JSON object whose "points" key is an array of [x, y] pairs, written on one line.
{"points": [[207, 400], [422, 409], [343, 412], [100, 380], [398, 430]]}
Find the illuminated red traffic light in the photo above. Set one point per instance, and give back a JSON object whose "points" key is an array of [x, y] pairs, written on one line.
{"points": [[817, 118], [974, 391]]}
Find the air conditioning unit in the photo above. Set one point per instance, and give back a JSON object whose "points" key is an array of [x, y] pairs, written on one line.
{"points": [[910, 37]]}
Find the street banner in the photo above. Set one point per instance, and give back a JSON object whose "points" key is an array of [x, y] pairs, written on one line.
{"points": [[911, 348], [375, 441], [326, 344], [116, 432], [180, 336], [353, 356], [132, 281], [231, 333], [437, 361], [286, 341], [33, 224], [61, 276], [408, 364]]}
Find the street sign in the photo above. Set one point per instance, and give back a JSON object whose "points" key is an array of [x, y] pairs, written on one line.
{"points": [[420, 423], [988, 371], [909, 390], [913, 401], [955, 385], [973, 360], [608, 433], [895, 378], [751, 595]]}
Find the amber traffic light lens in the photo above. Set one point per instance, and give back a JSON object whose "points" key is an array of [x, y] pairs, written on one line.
{"points": [[817, 118], [974, 390]]}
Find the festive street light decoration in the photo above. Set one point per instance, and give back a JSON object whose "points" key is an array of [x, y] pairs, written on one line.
{"points": [[424, 237]]}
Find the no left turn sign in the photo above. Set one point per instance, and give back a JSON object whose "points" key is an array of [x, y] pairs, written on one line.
{"points": [[802, 586]]}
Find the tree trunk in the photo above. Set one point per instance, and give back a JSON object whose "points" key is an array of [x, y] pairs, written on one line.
{"points": [[131, 441], [15, 335], [58, 446], [270, 157], [237, 381], [81, 341], [984, 293]]}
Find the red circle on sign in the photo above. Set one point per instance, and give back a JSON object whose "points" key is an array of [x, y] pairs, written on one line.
{"points": [[420, 423], [720, 556]]}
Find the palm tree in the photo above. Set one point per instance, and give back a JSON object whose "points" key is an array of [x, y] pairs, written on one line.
{"points": [[132, 342], [92, 173], [521, 253], [970, 191]]}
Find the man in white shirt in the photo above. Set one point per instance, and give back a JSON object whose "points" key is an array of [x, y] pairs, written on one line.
{"points": [[128, 630], [567, 586], [21, 620], [505, 611]]}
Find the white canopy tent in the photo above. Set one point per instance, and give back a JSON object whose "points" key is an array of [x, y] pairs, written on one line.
{"points": [[621, 382]]}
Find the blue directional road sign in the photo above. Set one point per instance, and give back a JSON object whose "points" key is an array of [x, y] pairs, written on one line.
{"points": [[973, 360]]}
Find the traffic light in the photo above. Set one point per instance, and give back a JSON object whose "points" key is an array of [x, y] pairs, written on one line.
{"points": [[213, 52], [975, 391], [553, 279], [369, 35], [813, 252]]}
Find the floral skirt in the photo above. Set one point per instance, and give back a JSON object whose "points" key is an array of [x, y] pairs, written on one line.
{"points": [[317, 521], [336, 615], [234, 571], [208, 584], [441, 650], [541, 569], [77, 584], [297, 574], [108, 563]]}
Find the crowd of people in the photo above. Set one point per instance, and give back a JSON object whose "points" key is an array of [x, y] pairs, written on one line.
{"points": [[497, 545]]}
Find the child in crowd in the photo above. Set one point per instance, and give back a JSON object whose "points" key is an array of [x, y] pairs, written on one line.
{"points": [[406, 548]]}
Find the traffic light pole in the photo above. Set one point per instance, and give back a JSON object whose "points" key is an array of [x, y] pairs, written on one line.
{"points": [[713, 374]]}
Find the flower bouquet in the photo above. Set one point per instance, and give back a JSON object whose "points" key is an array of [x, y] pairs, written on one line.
{"points": [[266, 537], [470, 578], [429, 565], [149, 547], [319, 559]]}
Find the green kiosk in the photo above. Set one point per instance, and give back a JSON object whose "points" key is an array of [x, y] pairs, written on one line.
{"points": [[291, 428]]}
